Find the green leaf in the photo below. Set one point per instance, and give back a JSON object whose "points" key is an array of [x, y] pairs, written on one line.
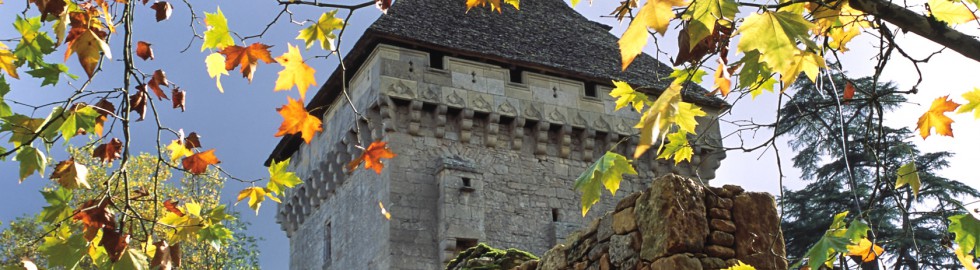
{"points": [[686, 115], [857, 230], [64, 249], [4, 89], [58, 208], [22, 128], [825, 250], [322, 31], [754, 75], [972, 98], [132, 259], [606, 172], [909, 175], [52, 123], [688, 74], [217, 36], [774, 35], [967, 230], [31, 160], [678, 147], [215, 236], [624, 95], [82, 118], [279, 178], [33, 45], [703, 14], [50, 73]]}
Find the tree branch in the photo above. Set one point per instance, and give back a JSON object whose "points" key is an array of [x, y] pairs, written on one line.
{"points": [[923, 26]]}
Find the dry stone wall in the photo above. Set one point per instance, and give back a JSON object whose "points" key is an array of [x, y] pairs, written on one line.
{"points": [[677, 224]]}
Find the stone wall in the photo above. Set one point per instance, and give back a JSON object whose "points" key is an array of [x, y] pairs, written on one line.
{"points": [[676, 224]]}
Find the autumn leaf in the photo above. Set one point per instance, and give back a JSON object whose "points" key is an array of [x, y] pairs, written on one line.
{"points": [[297, 120], [323, 29], [935, 118], [908, 175], [624, 95], [64, 249], [108, 152], [217, 36], [7, 60], [494, 4], [723, 79], [255, 195], [280, 178], [115, 243], [967, 231], [144, 51], [866, 250], [89, 48], [192, 141], [198, 163], [658, 118], [31, 160], [187, 224], [972, 103], [295, 72], [775, 35], [678, 147], [849, 91], [247, 57], [94, 215], [171, 207], [740, 266], [606, 172], [158, 79], [372, 157], [105, 108], [384, 212], [805, 62], [80, 118], [654, 14], [179, 98], [50, 7], [137, 103], [382, 5], [703, 15], [950, 12], [163, 10], [161, 256], [71, 174], [215, 63]]}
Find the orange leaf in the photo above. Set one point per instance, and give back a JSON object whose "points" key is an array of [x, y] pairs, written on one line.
{"points": [[94, 215], [247, 57], [108, 152], [297, 120], [865, 249], [723, 79], [935, 118], [171, 206], [384, 211], [849, 91], [372, 157], [159, 78], [104, 107], [198, 163], [137, 103], [144, 51]]}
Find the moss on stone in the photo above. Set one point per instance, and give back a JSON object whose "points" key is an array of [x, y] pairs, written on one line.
{"points": [[485, 257]]}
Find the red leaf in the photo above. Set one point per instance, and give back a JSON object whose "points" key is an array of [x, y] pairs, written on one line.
{"points": [[383, 5], [848, 91], [94, 215], [171, 206], [143, 50], [198, 163], [192, 141], [137, 103], [159, 78], [163, 9], [115, 243], [179, 98], [108, 152]]}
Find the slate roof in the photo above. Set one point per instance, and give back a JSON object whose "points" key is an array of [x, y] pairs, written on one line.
{"points": [[544, 35]]}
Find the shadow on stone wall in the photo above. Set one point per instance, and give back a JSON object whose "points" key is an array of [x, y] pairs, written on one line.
{"points": [[676, 224]]}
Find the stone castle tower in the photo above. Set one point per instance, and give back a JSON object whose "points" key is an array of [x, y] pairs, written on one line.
{"points": [[493, 117]]}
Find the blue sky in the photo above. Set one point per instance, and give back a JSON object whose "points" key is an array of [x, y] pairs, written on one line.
{"points": [[240, 123]]}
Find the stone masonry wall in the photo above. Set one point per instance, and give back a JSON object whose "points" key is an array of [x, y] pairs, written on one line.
{"points": [[676, 224]]}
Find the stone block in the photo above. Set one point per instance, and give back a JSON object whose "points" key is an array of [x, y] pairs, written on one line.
{"points": [[605, 227], [671, 217], [624, 221], [719, 251], [723, 225], [713, 263], [735, 190], [676, 262], [604, 262], [619, 249], [721, 238], [720, 213], [724, 203], [758, 239], [554, 258], [628, 202]]}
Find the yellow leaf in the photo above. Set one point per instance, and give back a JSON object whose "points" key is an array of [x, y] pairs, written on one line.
{"points": [[295, 72], [951, 12], [723, 79], [625, 95], [654, 14], [88, 47], [255, 195], [216, 67], [774, 35], [657, 119], [494, 4], [973, 102], [7, 60], [865, 249], [965, 259], [60, 27], [384, 211], [740, 266], [677, 146], [322, 31], [685, 116], [804, 62], [935, 118], [178, 150]]}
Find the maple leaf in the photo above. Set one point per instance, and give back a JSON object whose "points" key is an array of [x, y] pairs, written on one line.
{"points": [[294, 72], [297, 120], [740, 266], [967, 231], [108, 152], [950, 12], [179, 98], [382, 5], [255, 195], [192, 141], [935, 118], [49, 7], [144, 51], [71, 174], [247, 57], [132, 259], [7, 60], [849, 91], [657, 119], [908, 175], [178, 150], [171, 206], [51, 73], [807, 62], [188, 224], [279, 178], [163, 10], [198, 163], [703, 15], [774, 35], [723, 79], [866, 250], [137, 103], [494, 4], [384, 212], [34, 45], [58, 208], [89, 47], [624, 95], [31, 160], [678, 147], [64, 249], [82, 118], [972, 103], [654, 14], [692, 74], [322, 31], [215, 63], [372, 157], [606, 172], [159, 78], [105, 108], [115, 243], [217, 36], [94, 215]]}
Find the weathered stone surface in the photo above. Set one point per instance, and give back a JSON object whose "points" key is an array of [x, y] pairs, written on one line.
{"points": [[485, 257], [581, 265], [628, 202], [619, 248], [629, 264], [636, 241], [713, 263], [724, 203], [604, 262], [624, 221], [598, 250], [676, 262], [671, 217], [735, 190], [758, 238], [720, 213], [605, 227], [581, 250], [722, 225], [720, 192], [719, 251], [721, 238], [554, 258]]}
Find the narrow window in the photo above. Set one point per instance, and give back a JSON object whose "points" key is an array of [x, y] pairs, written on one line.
{"points": [[590, 90], [515, 75], [467, 185], [555, 215], [435, 60], [327, 255]]}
